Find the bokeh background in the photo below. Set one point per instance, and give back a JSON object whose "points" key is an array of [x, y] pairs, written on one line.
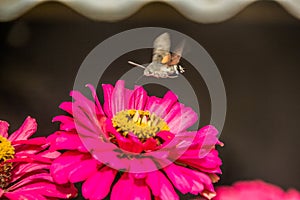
{"points": [[257, 53]]}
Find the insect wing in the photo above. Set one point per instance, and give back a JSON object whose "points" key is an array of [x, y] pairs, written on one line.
{"points": [[161, 52], [176, 55]]}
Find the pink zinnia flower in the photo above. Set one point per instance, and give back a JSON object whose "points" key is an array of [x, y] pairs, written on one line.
{"points": [[24, 166], [257, 189], [137, 146]]}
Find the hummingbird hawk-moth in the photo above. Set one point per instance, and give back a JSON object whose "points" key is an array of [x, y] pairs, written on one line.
{"points": [[164, 64]]}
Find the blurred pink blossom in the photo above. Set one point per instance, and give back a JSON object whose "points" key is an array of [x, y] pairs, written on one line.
{"points": [[257, 189], [24, 166]]}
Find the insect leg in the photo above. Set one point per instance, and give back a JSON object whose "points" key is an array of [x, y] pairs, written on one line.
{"points": [[181, 69], [176, 69]]}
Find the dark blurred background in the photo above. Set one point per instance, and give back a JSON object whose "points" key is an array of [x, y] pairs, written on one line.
{"points": [[257, 53]]}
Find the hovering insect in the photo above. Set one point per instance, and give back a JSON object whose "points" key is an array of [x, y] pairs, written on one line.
{"points": [[164, 64]]}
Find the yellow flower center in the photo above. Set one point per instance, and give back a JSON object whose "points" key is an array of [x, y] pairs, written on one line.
{"points": [[7, 152], [141, 123]]}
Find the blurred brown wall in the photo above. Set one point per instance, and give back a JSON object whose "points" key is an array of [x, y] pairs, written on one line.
{"points": [[257, 53]]}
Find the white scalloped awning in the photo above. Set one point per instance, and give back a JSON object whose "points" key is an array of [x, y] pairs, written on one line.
{"points": [[203, 11]]}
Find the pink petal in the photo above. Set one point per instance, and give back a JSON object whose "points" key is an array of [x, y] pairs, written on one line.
{"points": [[161, 107], [166, 136], [87, 122], [154, 106], [138, 175], [161, 186], [107, 93], [130, 144], [49, 189], [128, 94], [67, 162], [227, 193], [49, 154], [27, 129], [210, 163], [141, 165], [248, 190], [97, 186], [31, 157], [4, 128], [83, 170], [25, 168], [118, 97], [83, 101], [180, 143], [141, 191], [22, 195], [138, 99], [65, 140], [292, 194], [128, 188], [67, 123], [196, 149], [175, 111], [150, 144], [184, 118], [43, 175], [99, 108], [85, 114], [33, 141], [29, 149], [123, 188], [207, 138], [167, 102], [111, 158], [180, 181], [1, 192], [188, 180], [66, 106], [259, 189]]}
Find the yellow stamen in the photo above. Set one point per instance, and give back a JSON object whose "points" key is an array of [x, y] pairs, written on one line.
{"points": [[136, 116], [144, 120], [141, 123], [7, 151]]}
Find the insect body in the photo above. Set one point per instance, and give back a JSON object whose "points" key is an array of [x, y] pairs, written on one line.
{"points": [[164, 64]]}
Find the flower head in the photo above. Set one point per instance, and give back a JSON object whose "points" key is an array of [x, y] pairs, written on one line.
{"points": [[136, 140], [257, 189], [25, 163]]}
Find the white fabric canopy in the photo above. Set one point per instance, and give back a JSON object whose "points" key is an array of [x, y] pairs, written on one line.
{"points": [[202, 11]]}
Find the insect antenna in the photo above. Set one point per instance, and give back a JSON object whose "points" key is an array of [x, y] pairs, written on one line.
{"points": [[137, 65]]}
